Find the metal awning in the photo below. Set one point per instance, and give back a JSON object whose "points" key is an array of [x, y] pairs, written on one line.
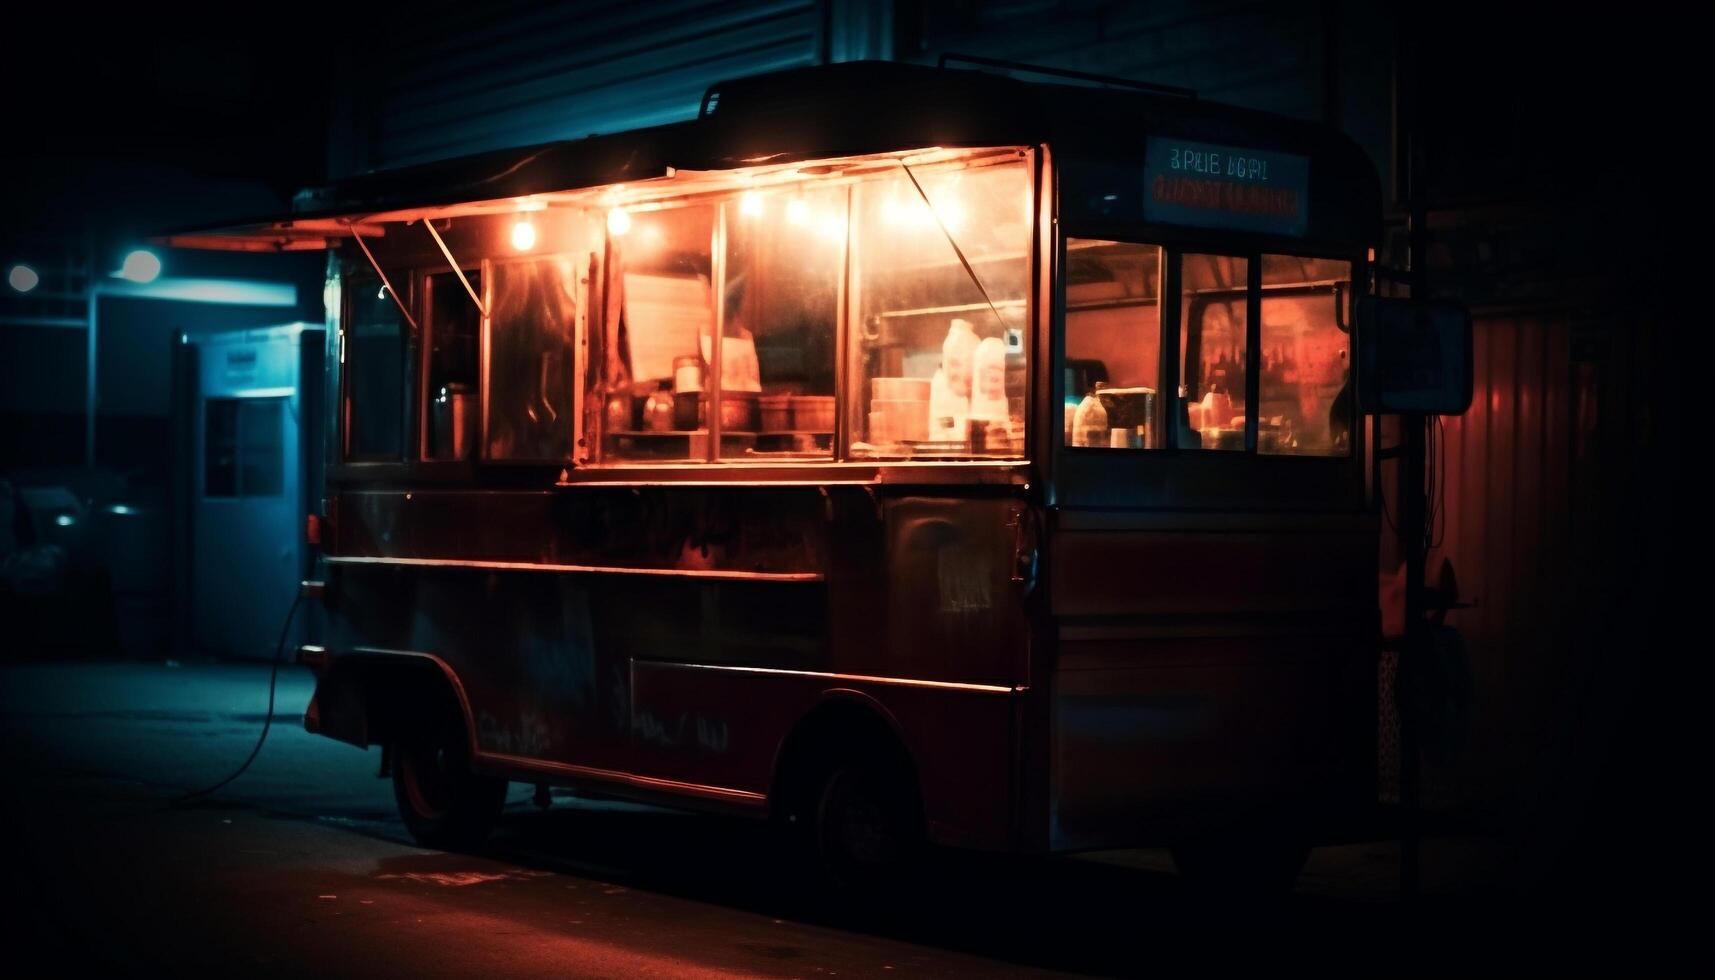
{"points": [[279, 235]]}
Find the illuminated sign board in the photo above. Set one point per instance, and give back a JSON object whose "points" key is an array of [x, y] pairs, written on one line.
{"points": [[1206, 185]]}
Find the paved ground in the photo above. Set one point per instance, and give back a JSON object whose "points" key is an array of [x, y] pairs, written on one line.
{"points": [[301, 867]]}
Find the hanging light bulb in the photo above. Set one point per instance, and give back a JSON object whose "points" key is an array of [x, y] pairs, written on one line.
{"points": [[523, 236], [750, 204], [951, 213], [832, 227], [618, 221]]}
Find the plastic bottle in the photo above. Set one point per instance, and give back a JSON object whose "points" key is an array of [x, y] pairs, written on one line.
{"points": [[1090, 424], [988, 381], [956, 353]]}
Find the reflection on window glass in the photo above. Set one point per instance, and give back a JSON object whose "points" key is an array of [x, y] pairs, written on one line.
{"points": [[532, 330], [243, 447], [1113, 344], [454, 326], [659, 324], [785, 252], [379, 369], [1304, 387], [1212, 352], [937, 350]]}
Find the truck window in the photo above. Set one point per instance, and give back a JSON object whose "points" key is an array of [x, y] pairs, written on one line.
{"points": [[655, 408], [533, 323], [1113, 344], [1214, 357], [785, 258], [454, 326], [379, 370], [940, 275], [1304, 386]]}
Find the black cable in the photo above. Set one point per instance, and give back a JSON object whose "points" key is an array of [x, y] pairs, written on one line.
{"points": [[268, 720]]}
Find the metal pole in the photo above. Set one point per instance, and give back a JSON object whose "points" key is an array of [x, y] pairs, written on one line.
{"points": [[1411, 489]]}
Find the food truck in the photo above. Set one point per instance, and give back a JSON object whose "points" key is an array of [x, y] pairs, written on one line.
{"points": [[904, 454]]}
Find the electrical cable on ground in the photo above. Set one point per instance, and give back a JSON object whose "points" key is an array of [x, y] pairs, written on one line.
{"points": [[267, 721]]}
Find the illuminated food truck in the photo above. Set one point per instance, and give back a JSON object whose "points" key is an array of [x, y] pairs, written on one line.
{"points": [[906, 455]]}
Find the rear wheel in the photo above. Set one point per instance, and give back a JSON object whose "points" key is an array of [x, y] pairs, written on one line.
{"points": [[867, 831], [444, 805]]}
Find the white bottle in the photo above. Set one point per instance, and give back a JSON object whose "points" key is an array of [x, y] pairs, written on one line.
{"points": [[956, 353], [950, 389], [1090, 424], [988, 381]]}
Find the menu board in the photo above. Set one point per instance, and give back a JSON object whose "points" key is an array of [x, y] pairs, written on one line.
{"points": [[664, 316], [1207, 185]]}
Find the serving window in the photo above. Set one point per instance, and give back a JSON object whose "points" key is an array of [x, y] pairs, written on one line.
{"points": [[729, 311], [454, 327], [535, 309], [941, 277], [868, 308]]}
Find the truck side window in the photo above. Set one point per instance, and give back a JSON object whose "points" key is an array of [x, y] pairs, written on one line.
{"points": [[940, 275], [1113, 344], [659, 315], [533, 323], [379, 370], [1214, 356], [454, 328], [785, 259], [1305, 383]]}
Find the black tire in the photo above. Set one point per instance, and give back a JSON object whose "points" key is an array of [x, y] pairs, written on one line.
{"points": [[1241, 866], [444, 805], [866, 830]]}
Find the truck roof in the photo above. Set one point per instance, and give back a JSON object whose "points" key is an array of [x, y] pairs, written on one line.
{"points": [[832, 111]]}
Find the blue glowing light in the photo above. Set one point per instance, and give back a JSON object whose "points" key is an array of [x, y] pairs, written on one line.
{"points": [[141, 266], [22, 278]]}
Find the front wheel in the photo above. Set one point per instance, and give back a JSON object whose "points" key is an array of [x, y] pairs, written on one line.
{"points": [[867, 830], [444, 804]]}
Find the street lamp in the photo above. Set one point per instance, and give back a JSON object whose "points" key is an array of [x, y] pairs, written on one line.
{"points": [[22, 278], [140, 266], [139, 277]]}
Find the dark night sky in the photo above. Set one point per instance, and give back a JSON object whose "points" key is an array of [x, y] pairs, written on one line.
{"points": [[139, 117]]}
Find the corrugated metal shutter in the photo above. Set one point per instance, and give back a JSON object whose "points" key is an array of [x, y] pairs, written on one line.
{"points": [[1542, 481], [467, 78]]}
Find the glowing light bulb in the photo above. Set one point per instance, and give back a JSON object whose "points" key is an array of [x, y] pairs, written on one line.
{"points": [[951, 213], [618, 221], [750, 204], [832, 227], [22, 278], [523, 236], [141, 266], [797, 212]]}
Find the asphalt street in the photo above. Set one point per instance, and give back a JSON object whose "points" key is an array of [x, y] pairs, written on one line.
{"points": [[302, 867]]}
